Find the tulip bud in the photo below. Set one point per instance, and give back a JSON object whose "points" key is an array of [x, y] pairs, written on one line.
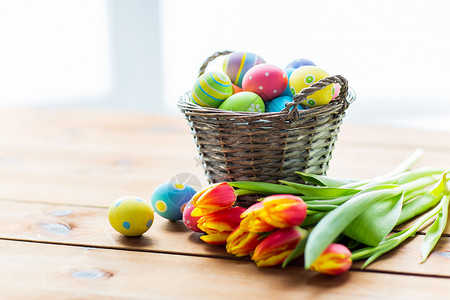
{"points": [[220, 224], [335, 260], [276, 211], [275, 248], [216, 197], [242, 242]]}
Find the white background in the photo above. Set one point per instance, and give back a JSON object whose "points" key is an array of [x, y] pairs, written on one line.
{"points": [[142, 55]]}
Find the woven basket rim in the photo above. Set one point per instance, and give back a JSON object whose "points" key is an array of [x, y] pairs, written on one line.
{"points": [[186, 105]]}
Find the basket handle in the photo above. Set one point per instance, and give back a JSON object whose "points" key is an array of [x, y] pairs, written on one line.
{"points": [[291, 109], [210, 59]]}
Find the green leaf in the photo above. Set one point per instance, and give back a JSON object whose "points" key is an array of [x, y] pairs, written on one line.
{"points": [[320, 191], [424, 203], [322, 207], [394, 240], [264, 187], [333, 200], [335, 222], [325, 180], [298, 251], [376, 222], [435, 231], [313, 219]]}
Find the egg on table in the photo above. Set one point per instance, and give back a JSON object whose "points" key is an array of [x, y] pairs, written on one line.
{"points": [[188, 220], [237, 64], [300, 62], [244, 101], [130, 215], [266, 80], [169, 199], [211, 89], [304, 77]]}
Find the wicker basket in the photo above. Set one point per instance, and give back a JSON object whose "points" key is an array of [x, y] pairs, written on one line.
{"points": [[267, 147]]}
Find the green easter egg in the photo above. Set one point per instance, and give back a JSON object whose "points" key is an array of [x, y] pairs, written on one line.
{"points": [[211, 89], [244, 101]]}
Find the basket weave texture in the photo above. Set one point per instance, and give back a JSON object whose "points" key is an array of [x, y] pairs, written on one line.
{"points": [[267, 147]]}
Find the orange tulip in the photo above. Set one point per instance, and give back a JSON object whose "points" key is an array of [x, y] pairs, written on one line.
{"points": [[216, 197], [276, 211], [220, 225], [254, 219], [335, 260], [275, 248], [242, 242]]}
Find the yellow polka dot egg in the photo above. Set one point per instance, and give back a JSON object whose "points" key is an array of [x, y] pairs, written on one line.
{"points": [[130, 215], [170, 198], [304, 77]]}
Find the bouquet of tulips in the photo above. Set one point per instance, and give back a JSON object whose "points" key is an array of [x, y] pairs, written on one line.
{"points": [[326, 217]]}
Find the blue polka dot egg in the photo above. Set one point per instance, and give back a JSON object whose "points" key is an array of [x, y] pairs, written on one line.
{"points": [[130, 215], [169, 199]]}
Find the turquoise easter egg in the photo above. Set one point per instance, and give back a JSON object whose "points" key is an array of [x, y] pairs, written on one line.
{"points": [[211, 89], [244, 101], [279, 103], [304, 77], [169, 199], [287, 91], [237, 64]]}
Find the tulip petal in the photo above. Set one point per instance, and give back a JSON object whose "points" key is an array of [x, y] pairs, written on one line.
{"points": [[278, 246], [216, 197], [284, 210], [242, 242], [215, 239], [335, 260]]}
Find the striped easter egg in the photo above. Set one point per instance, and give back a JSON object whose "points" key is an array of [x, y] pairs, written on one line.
{"points": [[211, 89], [237, 64]]}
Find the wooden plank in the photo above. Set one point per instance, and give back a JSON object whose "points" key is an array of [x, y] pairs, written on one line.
{"points": [[86, 226], [89, 226], [48, 271], [406, 259], [81, 161]]}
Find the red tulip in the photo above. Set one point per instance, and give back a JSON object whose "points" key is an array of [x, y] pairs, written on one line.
{"points": [[276, 211], [220, 225], [335, 260], [275, 248], [242, 242], [216, 197]]}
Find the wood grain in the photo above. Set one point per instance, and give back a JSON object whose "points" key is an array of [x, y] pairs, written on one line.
{"points": [[60, 170], [87, 226], [31, 270]]}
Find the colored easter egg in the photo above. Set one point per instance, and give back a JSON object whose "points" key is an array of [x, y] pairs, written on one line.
{"points": [[287, 91], [169, 199], [266, 80], [188, 220], [337, 89], [237, 64], [244, 101], [305, 76], [300, 62], [130, 215], [236, 89], [211, 89], [279, 103]]}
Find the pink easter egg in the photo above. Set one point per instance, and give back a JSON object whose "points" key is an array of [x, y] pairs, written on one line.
{"points": [[337, 89], [266, 80], [188, 220]]}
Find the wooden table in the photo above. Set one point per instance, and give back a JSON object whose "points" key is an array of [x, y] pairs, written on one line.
{"points": [[60, 170]]}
